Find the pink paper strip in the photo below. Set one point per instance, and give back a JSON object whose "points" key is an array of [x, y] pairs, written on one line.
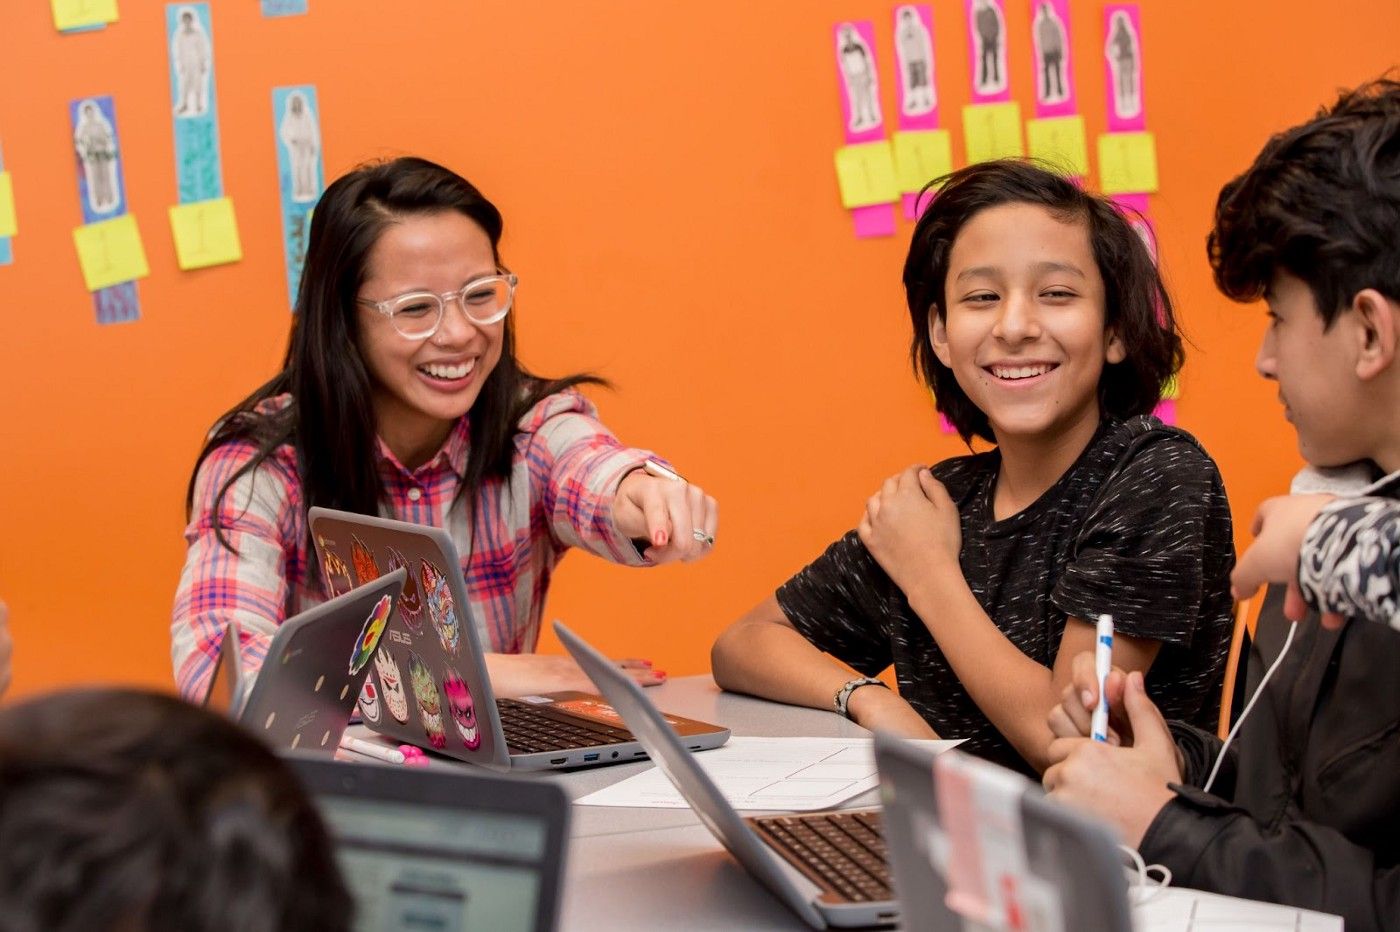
{"points": [[858, 81], [1136, 211], [875, 220], [946, 425], [913, 50], [1122, 56], [915, 204], [1165, 411], [986, 36], [1054, 72]]}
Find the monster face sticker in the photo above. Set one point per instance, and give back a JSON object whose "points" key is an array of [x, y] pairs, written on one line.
{"points": [[391, 681], [363, 560], [462, 709], [441, 611], [336, 572], [369, 702], [425, 691], [369, 634], [411, 599]]}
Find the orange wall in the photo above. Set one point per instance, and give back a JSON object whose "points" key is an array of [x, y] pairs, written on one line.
{"points": [[665, 171]]}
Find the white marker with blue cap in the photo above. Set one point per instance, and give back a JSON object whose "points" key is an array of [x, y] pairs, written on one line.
{"points": [[1103, 662]]}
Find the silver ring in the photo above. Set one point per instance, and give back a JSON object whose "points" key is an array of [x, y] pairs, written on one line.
{"points": [[700, 535]]}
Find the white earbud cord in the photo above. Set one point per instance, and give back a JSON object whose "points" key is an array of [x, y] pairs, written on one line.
{"points": [[1145, 886], [1220, 758]]}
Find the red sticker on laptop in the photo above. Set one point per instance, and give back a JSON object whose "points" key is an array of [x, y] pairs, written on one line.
{"points": [[366, 569], [442, 612], [336, 572], [425, 692], [600, 711], [369, 634], [462, 709], [410, 599]]}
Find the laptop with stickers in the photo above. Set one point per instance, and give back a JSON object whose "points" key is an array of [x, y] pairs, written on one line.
{"points": [[443, 849], [429, 685], [304, 694], [976, 846], [827, 867]]}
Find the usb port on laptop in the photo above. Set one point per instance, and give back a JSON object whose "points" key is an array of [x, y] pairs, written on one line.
{"points": [[590, 757]]}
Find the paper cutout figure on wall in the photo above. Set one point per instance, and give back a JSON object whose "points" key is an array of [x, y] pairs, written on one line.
{"points": [[858, 71], [1123, 56], [991, 49], [915, 52], [1051, 84], [191, 53], [96, 143], [300, 134]]}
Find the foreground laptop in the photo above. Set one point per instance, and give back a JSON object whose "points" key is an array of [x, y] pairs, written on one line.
{"points": [[827, 867], [442, 849], [430, 685], [1065, 872], [304, 694]]}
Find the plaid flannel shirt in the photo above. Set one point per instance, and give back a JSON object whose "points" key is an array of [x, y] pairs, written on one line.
{"points": [[559, 494]]}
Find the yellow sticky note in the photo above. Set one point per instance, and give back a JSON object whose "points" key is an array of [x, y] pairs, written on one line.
{"points": [[74, 14], [1127, 163], [8, 226], [865, 173], [1172, 390], [1060, 142], [993, 131], [110, 252], [921, 156], [206, 233]]}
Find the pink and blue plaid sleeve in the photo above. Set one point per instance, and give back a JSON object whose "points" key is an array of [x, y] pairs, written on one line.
{"points": [[247, 584], [576, 464]]}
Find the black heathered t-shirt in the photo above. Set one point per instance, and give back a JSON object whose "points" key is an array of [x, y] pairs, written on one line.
{"points": [[1138, 527]]}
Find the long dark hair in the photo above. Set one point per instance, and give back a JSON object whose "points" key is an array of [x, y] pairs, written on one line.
{"points": [[1136, 304], [330, 421]]}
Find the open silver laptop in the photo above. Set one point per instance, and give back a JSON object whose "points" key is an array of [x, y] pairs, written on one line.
{"points": [[430, 686], [443, 849], [827, 867], [1068, 874], [304, 694]]}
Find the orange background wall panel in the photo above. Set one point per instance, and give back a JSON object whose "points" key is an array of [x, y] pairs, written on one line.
{"points": [[666, 178]]}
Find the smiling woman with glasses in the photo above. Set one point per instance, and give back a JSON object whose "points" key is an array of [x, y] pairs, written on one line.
{"points": [[400, 395]]}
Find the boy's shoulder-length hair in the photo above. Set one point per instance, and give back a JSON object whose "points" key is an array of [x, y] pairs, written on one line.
{"points": [[1321, 202], [1136, 304]]}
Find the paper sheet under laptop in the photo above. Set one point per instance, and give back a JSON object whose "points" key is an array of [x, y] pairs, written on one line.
{"points": [[1176, 909], [788, 774]]}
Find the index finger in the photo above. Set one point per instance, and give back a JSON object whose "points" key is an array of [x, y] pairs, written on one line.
{"points": [[1245, 579]]}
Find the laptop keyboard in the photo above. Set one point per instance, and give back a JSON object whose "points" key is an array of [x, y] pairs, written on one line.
{"points": [[840, 851], [529, 729]]}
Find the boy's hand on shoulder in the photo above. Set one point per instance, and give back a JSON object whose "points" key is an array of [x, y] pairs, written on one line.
{"points": [[1127, 786], [881, 709], [911, 526]]}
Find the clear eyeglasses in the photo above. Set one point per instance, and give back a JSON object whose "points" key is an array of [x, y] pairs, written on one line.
{"points": [[418, 314]]}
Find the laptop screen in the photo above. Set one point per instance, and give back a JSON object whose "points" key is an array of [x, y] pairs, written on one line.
{"points": [[414, 866]]}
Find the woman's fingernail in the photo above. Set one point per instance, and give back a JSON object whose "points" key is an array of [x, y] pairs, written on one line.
{"points": [[1087, 697], [659, 674], [659, 538]]}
